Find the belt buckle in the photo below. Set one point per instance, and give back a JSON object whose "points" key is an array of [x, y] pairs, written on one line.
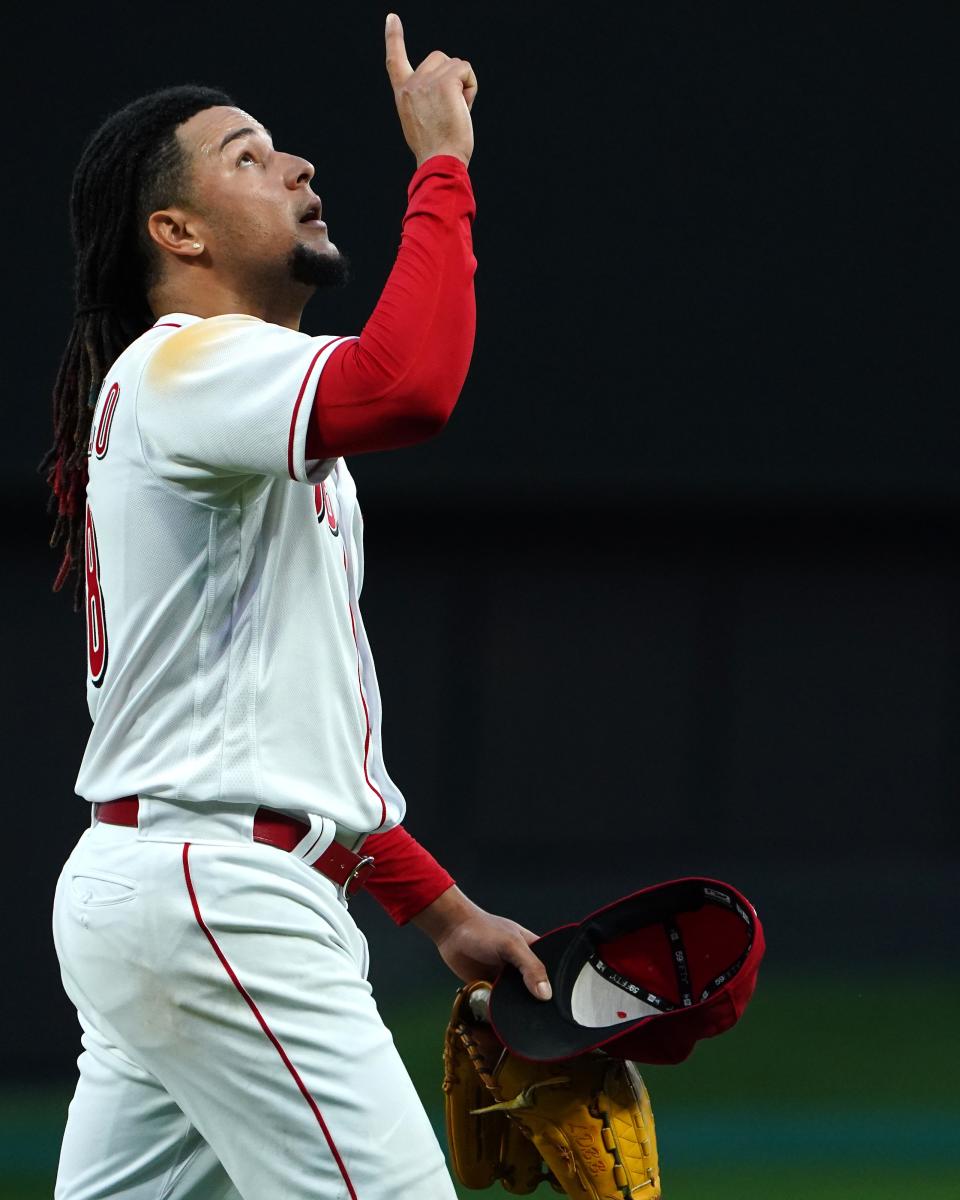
{"points": [[357, 877]]}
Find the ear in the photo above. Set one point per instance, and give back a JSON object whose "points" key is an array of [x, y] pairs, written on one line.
{"points": [[174, 231]]}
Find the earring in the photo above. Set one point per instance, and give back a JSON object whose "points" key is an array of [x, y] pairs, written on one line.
{"points": [[196, 245]]}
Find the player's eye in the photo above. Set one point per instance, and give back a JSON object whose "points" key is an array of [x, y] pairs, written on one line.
{"points": [[247, 154]]}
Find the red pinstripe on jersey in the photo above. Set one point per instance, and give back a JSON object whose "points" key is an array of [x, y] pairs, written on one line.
{"points": [[273, 1039], [363, 701], [296, 407]]}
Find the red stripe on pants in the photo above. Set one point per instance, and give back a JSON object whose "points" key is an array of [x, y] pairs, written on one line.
{"points": [[274, 1040]]}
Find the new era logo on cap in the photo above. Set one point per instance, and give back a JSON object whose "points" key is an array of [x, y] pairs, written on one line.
{"points": [[644, 978]]}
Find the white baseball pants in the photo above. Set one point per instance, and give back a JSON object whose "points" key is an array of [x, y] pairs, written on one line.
{"points": [[232, 1047]]}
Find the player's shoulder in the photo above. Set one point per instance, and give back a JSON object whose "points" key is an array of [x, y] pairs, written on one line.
{"points": [[182, 328], [183, 349], [181, 341]]}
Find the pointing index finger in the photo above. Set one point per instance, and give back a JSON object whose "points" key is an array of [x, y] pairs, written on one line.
{"points": [[398, 65]]}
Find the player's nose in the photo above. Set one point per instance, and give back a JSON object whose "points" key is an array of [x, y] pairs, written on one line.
{"points": [[297, 171]]}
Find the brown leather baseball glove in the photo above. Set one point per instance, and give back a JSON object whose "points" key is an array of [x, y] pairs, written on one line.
{"points": [[584, 1124]]}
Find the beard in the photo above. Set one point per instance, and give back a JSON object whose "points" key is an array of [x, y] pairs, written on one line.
{"points": [[316, 269]]}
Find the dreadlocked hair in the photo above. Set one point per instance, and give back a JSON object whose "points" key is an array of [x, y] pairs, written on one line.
{"points": [[132, 166]]}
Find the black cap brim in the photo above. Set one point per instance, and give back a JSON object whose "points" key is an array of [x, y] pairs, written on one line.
{"points": [[537, 1029]]}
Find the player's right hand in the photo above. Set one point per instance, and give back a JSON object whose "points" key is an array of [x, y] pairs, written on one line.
{"points": [[433, 101]]}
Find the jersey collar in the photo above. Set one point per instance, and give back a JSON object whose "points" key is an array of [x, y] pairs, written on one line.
{"points": [[175, 319], [178, 318]]}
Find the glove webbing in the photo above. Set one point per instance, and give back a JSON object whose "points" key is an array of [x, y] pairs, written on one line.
{"points": [[487, 1073], [612, 1143]]}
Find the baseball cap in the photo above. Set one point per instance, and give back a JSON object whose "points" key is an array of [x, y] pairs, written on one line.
{"points": [[643, 978]]}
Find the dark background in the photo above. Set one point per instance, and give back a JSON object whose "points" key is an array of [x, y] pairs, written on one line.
{"points": [[677, 590]]}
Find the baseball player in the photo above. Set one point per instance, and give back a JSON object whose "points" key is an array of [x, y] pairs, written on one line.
{"points": [[231, 1045]]}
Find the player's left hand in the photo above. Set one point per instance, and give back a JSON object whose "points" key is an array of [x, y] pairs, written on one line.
{"points": [[475, 944]]}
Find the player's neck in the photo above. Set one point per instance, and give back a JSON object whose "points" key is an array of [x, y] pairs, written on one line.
{"points": [[214, 298]]}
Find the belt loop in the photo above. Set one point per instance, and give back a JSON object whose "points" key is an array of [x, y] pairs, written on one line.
{"points": [[320, 836]]}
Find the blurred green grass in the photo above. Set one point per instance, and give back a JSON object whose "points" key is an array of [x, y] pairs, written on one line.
{"points": [[842, 1087], [744, 1183]]}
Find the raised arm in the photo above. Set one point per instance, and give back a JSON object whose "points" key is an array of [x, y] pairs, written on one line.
{"points": [[398, 383]]}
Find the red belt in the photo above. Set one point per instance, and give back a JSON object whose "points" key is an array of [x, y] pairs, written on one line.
{"points": [[348, 870]]}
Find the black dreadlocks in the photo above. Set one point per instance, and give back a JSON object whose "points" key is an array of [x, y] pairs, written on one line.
{"points": [[130, 167]]}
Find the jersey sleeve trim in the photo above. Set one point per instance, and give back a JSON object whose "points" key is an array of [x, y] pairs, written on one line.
{"points": [[297, 465]]}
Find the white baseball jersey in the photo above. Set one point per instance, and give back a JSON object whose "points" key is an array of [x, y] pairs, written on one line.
{"points": [[227, 659]]}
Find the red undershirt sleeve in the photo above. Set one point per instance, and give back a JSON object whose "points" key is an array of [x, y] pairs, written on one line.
{"points": [[397, 384], [406, 877]]}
